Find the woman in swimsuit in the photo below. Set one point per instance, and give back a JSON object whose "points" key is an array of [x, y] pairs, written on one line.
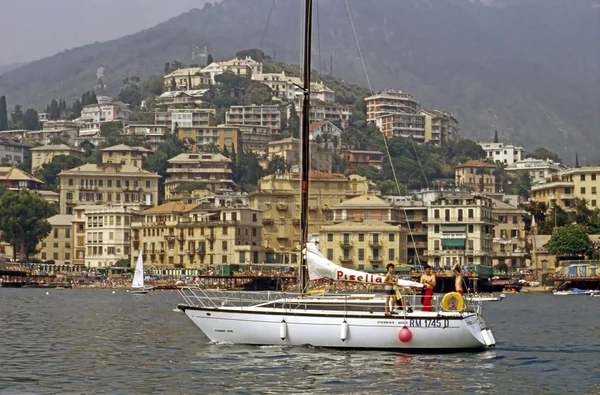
{"points": [[428, 280], [389, 288]]}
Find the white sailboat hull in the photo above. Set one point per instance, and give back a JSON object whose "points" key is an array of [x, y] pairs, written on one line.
{"points": [[430, 331]]}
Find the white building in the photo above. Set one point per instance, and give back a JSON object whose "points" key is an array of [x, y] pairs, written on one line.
{"points": [[105, 112], [503, 153], [538, 169]]}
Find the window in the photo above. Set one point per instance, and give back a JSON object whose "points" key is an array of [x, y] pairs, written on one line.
{"points": [[593, 190], [55, 256], [447, 215], [391, 237], [330, 254], [582, 190], [514, 233], [67, 255], [470, 245], [43, 255], [436, 245], [545, 262], [583, 177], [593, 177], [436, 229], [224, 230], [224, 259], [470, 213], [391, 254], [470, 228], [361, 237], [593, 203], [224, 245], [436, 213], [361, 254], [254, 232], [460, 214]]}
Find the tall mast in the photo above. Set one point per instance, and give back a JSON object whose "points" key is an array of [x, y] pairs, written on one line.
{"points": [[305, 156]]}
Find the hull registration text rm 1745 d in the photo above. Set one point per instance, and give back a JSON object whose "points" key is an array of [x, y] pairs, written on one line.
{"points": [[428, 323]]}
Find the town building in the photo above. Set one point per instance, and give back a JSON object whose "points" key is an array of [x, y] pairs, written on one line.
{"points": [[13, 152], [176, 118], [278, 198], [111, 110], [256, 115], [510, 239], [279, 83], [243, 67], [460, 228], [338, 114], [413, 213], [476, 175], [408, 125], [108, 234], [57, 245], [563, 188], [185, 79], [255, 138], [289, 150], [45, 154], [506, 154], [326, 134], [225, 137], [206, 197], [441, 127], [183, 99], [364, 245], [537, 169], [60, 124], [67, 136], [194, 236], [390, 102], [355, 158], [111, 183], [16, 179], [125, 155], [153, 135], [213, 170], [214, 69]]}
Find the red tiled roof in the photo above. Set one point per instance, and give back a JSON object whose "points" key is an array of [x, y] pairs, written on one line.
{"points": [[476, 163], [317, 175], [317, 124]]}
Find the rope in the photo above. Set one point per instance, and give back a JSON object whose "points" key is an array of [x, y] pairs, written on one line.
{"points": [[267, 24]]}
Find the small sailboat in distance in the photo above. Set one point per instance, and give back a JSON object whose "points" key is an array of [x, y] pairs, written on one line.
{"points": [[137, 285]]}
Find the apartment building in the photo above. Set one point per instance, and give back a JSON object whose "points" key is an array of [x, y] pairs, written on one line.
{"points": [[183, 99], [16, 179], [57, 245], [476, 175], [278, 198], [338, 114], [563, 188], [189, 78], [125, 155], [413, 213], [363, 245], [176, 118], [255, 138], [111, 110], [441, 127], [226, 137], [114, 183], [108, 234], [389, 102], [355, 158], [537, 169], [245, 67], [326, 134], [45, 154], [211, 169], [408, 125], [279, 84], [191, 236], [153, 135], [255, 115], [14, 152], [507, 154], [510, 241], [460, 227], [289, 149]]}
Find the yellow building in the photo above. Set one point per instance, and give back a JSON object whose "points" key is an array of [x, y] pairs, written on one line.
{"points": [[189, 236], [278, 198], [186, 79], [510, 240], [477, 175], [563, 188], [125, 155], [243, 67], [226, 137], [112, 183], [211, 169], [367, 244], [257, 115], [441, 127], [461, 227], [57, 245], [45, 154], [289, 150]]}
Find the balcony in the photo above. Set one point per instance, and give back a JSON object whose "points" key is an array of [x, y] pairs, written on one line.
{"points": [[282, 206], [345, 259], [567, 196], [170, 237], [552, 197], [453, 236], [375, 244], [346, 243], [88, 188], [267, 221], [375, 259], [161, 252]]}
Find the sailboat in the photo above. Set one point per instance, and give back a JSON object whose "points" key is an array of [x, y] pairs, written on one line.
{"points": [[338, 321], [137, 285]]}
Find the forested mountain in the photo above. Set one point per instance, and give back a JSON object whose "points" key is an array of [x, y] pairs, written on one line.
{"points": [[527, 68]]}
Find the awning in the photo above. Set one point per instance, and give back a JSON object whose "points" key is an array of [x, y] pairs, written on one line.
{"points": [[453, 228], [453, 242]]}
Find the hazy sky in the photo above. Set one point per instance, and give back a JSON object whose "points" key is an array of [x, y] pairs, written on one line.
{"points": [[33, 29]]}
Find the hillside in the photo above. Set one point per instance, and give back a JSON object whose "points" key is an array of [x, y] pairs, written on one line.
{"points": [[523, 67]]}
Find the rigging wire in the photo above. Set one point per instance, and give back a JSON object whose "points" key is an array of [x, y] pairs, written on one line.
{"points": [[412, 237], [267, 24], [319, 39]]}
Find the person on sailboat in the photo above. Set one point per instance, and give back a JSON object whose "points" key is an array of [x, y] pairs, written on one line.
{"points": [[456, 270], [428, 280], [389, 288]]}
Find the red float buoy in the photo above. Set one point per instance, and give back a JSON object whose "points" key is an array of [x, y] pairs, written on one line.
{"points": [[405, 335]]}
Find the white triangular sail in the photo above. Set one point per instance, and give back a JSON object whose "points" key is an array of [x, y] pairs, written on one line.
{"points": [[320, 267], [138, 276]]}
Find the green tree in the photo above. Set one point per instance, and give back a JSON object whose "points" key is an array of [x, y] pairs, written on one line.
{"points": [[3, 114], [543, 153], [255, 54], [209, 59], [520, 185], [17, 115], [496, 140], [190, 187], [54, 109], [88, 148], [276, 165], [131, 95], [571, 240], [76, 109], [30, 119], [23, 221], [49, 171]]}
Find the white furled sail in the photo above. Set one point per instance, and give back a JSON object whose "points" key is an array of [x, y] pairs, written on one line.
{"points": [[320, 267], [138, 276]]}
